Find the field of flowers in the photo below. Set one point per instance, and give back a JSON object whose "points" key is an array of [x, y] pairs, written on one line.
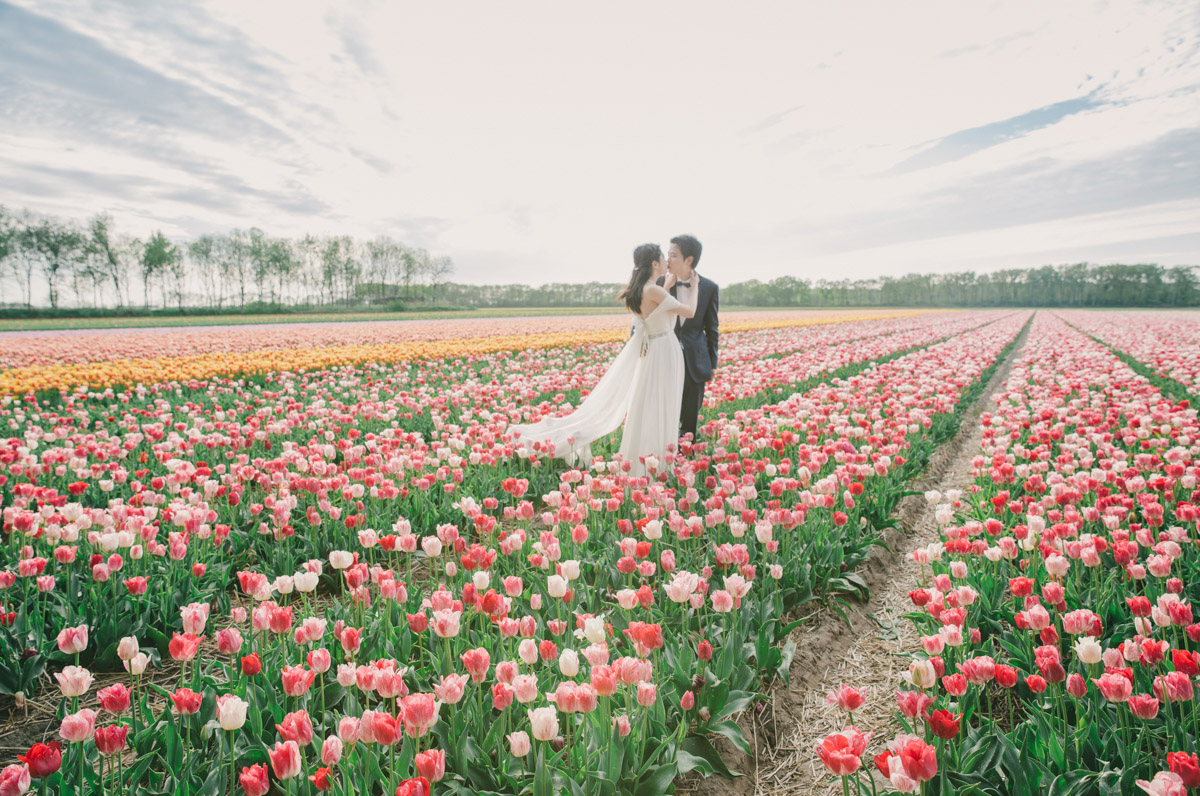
{"points": [[1167, 343], [285, 570], [1060, 649]]}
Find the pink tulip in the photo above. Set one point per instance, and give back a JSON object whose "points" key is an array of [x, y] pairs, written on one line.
{"points": [[518, 743], [285, 760], [1143, 706], [841, 752], [476, 662], [431, 764], [115, 698], [450, 689], [1165, 783], [296, 727], [14, 780], [229, 641], [847, 698], [544, 723], [74, 681], [331, 750], [73, 640], [297, 680], [78, 727], [420, 712], [1114, 687], [255, 780]]}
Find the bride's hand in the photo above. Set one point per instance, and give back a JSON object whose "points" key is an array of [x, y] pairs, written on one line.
{"points": [[669, 281]]}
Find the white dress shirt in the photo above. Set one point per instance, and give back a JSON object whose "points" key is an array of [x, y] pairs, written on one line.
{"points": [[684, 296]]}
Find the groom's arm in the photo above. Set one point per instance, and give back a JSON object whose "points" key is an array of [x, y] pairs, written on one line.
{"points": [[711, 324]]}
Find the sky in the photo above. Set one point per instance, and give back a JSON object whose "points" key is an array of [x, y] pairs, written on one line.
{"points": [[539, 142]]}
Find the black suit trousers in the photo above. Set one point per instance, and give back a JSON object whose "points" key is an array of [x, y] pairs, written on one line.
{"points": [[693, 399]]}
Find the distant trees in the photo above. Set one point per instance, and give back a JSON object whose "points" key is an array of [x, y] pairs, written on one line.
{"points": [[1075, 285], [67, 264], [92, 265]]}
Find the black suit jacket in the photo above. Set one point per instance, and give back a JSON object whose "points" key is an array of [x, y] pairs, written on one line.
{"points": [[698, 335]]}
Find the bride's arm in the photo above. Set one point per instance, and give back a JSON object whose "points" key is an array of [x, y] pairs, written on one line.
{"points": [[689, 310]]}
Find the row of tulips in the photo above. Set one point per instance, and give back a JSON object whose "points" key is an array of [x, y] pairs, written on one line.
{"points": [[48, 348], [193, 360], [558, 610], [1166, 342], [1060, 651]]}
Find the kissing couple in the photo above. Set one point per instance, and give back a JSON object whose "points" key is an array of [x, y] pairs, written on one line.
{"points": [[655, 386]]}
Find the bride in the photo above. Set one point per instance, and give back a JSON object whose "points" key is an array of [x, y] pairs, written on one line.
{"points": [[641, 388]]}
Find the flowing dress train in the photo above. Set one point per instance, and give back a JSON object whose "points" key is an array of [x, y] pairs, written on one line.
{"points": [[642, 389]]}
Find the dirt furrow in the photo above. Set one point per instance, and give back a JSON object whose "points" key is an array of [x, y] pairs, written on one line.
{"points": [[871, 652]]}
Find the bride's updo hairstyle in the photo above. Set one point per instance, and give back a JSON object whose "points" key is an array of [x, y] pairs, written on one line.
{"points": [[644, 257]]}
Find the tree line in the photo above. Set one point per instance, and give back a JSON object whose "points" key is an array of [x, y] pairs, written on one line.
{"points": [[1077, 285], [94, 266], [97, 268]]}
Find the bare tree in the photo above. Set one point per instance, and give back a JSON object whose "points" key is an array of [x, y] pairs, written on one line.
{"points": [[117, 255], [308, 257], [162, 259], [8, 246], [440, 271], [235, 252], [281, 262], [203, 253], [60, 246]]}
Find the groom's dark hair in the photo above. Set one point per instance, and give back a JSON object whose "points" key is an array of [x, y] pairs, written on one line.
{"points": [[688, 247]]}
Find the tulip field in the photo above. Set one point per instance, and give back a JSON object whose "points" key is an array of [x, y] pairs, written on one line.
{"points": [[1059, 651], [308, 559]]}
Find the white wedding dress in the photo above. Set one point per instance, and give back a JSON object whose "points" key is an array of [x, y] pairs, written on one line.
{"points": [[643, 388]]}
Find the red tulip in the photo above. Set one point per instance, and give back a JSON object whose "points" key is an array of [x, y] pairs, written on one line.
{"points": [[414, 787], [251, 665], [944, 724], [1006, 676], [321, 779], [1186, 766], [385, 728], [1186, 662], [42, 759], [1139, 605], [111, 739]]}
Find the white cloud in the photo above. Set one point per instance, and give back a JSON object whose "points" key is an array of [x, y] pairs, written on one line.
{"points": [[543, 141]]}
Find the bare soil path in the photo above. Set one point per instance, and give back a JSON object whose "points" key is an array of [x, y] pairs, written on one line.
{"points": [[872, 652]]}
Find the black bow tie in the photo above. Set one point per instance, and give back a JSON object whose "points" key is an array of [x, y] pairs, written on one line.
{"points": [[683, 284]]}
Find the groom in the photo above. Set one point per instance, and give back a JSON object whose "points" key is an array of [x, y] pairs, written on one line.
{"points": [[697, 335]]}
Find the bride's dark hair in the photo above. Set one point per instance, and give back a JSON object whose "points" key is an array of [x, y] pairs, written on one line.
{"points": [[644, 257]]}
